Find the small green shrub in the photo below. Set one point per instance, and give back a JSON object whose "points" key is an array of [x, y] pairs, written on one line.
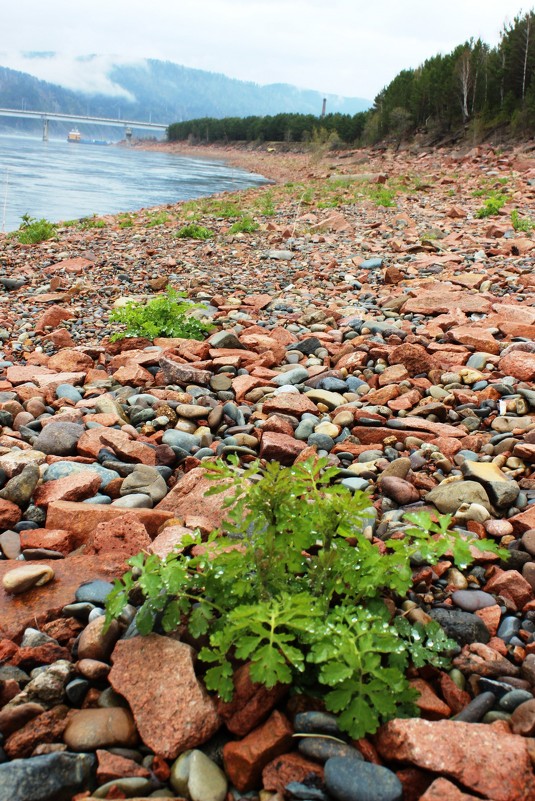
{"points": [[164, 316], [244, 226], [32, 231], [492, 205], [296, 589], [524, 224], [194, 231]]}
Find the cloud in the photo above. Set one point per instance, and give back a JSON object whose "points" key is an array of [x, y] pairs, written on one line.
{"points": [[88, 74], [346, 48]]}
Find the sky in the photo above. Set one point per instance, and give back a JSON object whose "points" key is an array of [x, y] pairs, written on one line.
{"points": [[344, 47]]}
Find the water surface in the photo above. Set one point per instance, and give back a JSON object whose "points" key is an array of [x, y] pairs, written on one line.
{"points": [[62, 181]]}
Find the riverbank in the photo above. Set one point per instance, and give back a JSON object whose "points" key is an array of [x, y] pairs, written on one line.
{"points": [[375, 308]]}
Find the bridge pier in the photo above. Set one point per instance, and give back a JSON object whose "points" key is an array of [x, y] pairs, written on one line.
{"points": [[45, 129]]}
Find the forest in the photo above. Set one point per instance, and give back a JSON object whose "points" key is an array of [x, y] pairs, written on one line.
{"points": [[473, 89]]}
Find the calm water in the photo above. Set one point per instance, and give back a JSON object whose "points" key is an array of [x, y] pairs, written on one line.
{"points": [[62, 181]]}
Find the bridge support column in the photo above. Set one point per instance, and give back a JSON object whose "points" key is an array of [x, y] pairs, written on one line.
{"points": [[45, 129]]}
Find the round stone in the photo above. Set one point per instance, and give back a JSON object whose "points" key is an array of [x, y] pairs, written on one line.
{"points": [[355, 780], [22, 579], [472, 600]]}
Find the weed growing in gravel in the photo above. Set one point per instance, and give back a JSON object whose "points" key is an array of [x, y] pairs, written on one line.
{"points": [[492, 205], [524, 224], [382, 196], [244, 226], [194, 231], [125, 221], [32, 231], [164, 316], [92, 222], [297, 590], [157, 218]]}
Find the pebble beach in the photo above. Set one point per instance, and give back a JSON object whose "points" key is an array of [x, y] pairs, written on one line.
{"points": [[374, 316]]}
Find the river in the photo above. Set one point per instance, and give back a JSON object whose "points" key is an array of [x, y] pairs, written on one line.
{"points": [[63, 181]]}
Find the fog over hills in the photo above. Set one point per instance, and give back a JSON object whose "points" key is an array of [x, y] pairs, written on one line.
{"points": [[159, 91]]}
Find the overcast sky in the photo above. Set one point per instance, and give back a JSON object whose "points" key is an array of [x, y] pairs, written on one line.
{"points": [[344, 47]]}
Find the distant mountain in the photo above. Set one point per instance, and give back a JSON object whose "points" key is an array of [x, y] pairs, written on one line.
{"points": [[164, 92]]}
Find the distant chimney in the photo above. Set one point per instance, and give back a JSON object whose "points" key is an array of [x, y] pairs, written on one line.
{"points": [[324, 106]]}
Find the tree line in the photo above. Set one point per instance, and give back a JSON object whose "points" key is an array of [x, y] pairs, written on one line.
{"points": [[473, 85]]}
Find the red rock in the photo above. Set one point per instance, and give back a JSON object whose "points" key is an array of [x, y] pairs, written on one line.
{"points": [[183, 374], [243, 384], [280, 447], [443, 790], [250, 704], [461, 751], [187, 500], [512, 585], [523, 719], [50, 539], [289, 403], [401, 491], [76, 487], [52, 317], [113, 766], [183, 716], [70, 361], [133, 375], [523, 521], [260, 343], [46, 728], [245, 759], [414, 358], [64, 629], [484, 661], [42, 604], [169, 540], [123, 536], [290, 768], [10, 514], [393, 375], [491, 617], [414, 782], [479, 338], [36, 655], [83, 518], [60, 338], [519, 364], [440, 301], [430, 705], [13, 718], [279, 424]]}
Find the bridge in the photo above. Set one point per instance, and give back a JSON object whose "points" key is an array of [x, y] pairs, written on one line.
{"points": [[46, 116]]}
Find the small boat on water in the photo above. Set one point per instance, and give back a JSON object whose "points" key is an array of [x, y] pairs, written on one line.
{"points": [[76, 136]]}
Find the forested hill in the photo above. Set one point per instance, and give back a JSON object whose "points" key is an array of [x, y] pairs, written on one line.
{"points": [[166, 92], [474, 91], [475, 85]]}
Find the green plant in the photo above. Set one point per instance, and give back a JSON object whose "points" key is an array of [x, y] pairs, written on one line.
{"points": [[382, 196], [492, 205], [525, 224], [298, 591], [32, 231], [164, 316], [244, 226], [158, 218], [125, 221], [194, 231], [88, 223]]}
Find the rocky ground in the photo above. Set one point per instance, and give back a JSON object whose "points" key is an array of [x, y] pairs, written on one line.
{"points": [[372, 317]]}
